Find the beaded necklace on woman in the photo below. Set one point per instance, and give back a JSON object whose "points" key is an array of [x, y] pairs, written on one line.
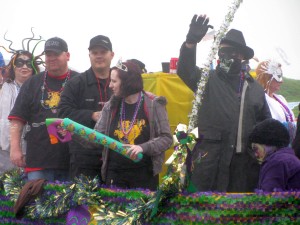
{"points": [[123, 116], [287, 112]]}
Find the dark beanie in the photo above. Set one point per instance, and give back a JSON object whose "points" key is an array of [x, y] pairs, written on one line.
{"points": [[270, 132]]}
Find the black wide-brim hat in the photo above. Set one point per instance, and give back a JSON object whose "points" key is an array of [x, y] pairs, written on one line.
{"points": [[236, 39]]}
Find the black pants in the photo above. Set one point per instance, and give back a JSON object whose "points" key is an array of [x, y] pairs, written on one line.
{"points": [[85, 164], [132, 178]]}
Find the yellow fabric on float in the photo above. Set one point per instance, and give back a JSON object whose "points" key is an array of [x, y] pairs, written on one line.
{"points": [[179, 97]]}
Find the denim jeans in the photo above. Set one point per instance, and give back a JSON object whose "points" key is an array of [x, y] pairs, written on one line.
{"points": [[49, 174]]}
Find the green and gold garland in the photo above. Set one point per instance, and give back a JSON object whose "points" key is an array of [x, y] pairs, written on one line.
{"points": [[175, 201], [119, 206], [172, 203]]}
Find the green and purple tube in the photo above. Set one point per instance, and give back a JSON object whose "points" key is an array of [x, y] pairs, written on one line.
{"points": [[91, 135]]}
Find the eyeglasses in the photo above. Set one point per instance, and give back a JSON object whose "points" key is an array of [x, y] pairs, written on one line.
{"points": [[230, 52], [121, 66], [19, 63]]}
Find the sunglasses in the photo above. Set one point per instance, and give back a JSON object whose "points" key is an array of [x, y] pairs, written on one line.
{"points": [[230, 52], [19, 63], [121, 66]]}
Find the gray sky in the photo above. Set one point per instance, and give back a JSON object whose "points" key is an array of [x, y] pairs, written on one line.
{"points": [[153, 31]]}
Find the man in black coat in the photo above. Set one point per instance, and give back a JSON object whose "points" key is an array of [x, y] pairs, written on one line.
{"points": [[232, 104], [83, 100]]}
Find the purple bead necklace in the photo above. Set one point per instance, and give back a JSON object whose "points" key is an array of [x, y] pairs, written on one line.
{"points": [[123, 115], [288, 115]]}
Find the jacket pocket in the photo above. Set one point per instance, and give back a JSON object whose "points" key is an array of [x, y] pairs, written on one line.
{"points": [[211, 135]]}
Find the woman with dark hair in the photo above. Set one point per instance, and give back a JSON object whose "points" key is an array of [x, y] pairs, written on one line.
{"points": [[20, 68], [139, 120]]}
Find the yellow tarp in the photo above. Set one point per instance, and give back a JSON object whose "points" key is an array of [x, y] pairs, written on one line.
{"points": [[178, 95]]}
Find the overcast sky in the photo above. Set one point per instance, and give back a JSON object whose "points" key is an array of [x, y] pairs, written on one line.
{"points": [[153, 31]]}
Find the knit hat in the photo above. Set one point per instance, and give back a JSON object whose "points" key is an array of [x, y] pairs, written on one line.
{"points": [[270, 132]]}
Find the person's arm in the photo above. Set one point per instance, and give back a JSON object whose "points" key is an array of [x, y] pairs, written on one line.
{"points": [[163, 138], [186, 67], [69, 106], [273, 177], [187, 70], [16, 155], [19, 117], [99, 126]]}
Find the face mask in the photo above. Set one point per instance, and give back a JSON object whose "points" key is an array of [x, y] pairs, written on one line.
{"points": [[274, 68], [229, 63], [277, 75]]}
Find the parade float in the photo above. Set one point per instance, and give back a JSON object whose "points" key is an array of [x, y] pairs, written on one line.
{"points": [[176, 201]]}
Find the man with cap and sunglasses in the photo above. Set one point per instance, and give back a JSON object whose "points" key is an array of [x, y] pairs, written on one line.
{"points": [[232, 103], [83, 100], [38, 99]]}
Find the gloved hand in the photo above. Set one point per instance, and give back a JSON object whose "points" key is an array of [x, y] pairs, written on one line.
{"points": [[198, 29]]}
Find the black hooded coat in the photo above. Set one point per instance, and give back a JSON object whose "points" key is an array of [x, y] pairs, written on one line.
{"points": [[224, 167]]}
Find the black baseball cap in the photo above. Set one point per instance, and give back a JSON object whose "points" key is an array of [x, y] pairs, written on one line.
{"points": [[56, 44], [100, 40]]}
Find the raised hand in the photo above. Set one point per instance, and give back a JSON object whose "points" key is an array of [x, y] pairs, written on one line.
{"points": [[198, 29]]}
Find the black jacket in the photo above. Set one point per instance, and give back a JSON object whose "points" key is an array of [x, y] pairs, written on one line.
{"points": [[80, 99], [223, 169]]}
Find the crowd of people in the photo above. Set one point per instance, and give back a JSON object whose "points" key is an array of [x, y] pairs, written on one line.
{"points": [[250, 138]]}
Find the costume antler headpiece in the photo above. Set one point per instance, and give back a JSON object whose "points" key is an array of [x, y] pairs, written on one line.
{"points": [[36, 60]]}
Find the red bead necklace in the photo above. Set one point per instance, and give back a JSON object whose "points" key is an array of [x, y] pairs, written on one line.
{"points": [[102, 101]]}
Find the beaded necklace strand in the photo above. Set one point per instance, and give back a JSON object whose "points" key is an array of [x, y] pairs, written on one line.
{"points": [[45, 86], [102, 101], [287, 113], [123, 116]]}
